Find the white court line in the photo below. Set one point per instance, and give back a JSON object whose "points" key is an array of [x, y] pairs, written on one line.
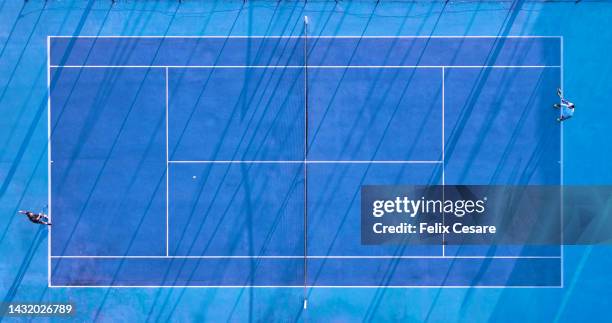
{"points": [[49, 162], [309, 66], [443, 165], [167, 176], [308, 257], [307, 161], [312, 286], [310, 36]]}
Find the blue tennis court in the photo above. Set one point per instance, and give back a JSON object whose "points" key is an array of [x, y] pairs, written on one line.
{"points": [[238, 161]]}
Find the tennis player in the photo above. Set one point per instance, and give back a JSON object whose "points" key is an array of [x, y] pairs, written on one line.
{"points": [[567, 107], [39, 218]]}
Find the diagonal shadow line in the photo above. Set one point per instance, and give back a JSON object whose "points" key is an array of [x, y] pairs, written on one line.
{"points": [[316, 132], [279, 214], [92, 280]]}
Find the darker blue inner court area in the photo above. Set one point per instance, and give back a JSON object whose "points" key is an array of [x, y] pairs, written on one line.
{"points": [[239, 161]]}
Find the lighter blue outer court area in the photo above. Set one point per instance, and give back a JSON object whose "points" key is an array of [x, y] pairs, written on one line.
{"points": [[24, 276]]}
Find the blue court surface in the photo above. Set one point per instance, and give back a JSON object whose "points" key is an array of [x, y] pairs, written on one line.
{"points": [[202, 161], [238, 161]]}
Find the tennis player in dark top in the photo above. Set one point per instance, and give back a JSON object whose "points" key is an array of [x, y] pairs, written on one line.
{"points": [[39, 218]]}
